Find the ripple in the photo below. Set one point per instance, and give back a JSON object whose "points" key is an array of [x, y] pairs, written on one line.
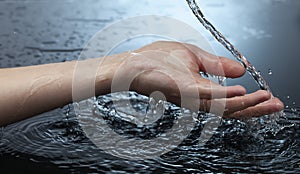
{"points": [[47, 135], [58, 138]]}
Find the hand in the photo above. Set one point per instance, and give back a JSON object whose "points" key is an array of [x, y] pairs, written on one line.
{"points": [[173, 68], [163, 70]]}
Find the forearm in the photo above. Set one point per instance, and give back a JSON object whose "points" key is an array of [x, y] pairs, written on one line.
{"points": [[28, 91]]}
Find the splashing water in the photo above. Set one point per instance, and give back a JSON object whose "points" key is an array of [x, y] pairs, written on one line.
{"points": [[268, 123], [52, 138]]}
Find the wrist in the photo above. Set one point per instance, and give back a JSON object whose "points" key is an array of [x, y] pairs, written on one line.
{"points": [[107, 67]]}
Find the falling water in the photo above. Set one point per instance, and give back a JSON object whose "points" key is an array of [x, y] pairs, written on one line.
{"points": [[271, 119], [220, 38]]}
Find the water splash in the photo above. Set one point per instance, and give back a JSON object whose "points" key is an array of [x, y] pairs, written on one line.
{"points": [[269, 122], [51, 138]]}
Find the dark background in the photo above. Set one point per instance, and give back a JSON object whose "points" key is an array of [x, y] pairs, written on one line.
{"points": [[266, 31], [46, 31]]}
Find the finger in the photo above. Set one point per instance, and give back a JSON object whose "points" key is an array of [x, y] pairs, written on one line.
{"points": [[243, 102], [271, 106], [207, 62], [232, 69], [217, 92], [215, 65], [210, 90], [235, 104]]}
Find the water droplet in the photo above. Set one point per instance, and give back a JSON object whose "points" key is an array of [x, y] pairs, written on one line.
{"points": [[270, 72], [286, 106], [288, 97]]}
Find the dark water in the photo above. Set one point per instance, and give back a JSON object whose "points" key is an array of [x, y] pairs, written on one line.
{"points": [[56, 141], [36, 32]]}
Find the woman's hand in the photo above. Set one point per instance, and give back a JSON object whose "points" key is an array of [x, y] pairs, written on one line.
{"points": [[163, 70], [171, 70]]}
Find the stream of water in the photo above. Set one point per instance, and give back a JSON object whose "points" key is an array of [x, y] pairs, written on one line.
{"points": [[269, 122], [221, 39]]}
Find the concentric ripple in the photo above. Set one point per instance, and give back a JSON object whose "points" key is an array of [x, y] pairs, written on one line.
{"points": [[56, 137]]}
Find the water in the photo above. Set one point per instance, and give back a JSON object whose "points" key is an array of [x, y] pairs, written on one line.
{"points": [[268, 122], [221, 39], [270, 72], [54, 141]]}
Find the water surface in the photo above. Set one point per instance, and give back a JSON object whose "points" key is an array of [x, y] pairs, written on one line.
{"points": [[56, 141]]}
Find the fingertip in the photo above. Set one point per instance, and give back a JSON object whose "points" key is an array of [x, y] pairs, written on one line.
{"points": [[242, 69], [279, 105], [264, 95], [232, 68], [239, 90], [239, 69]]}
